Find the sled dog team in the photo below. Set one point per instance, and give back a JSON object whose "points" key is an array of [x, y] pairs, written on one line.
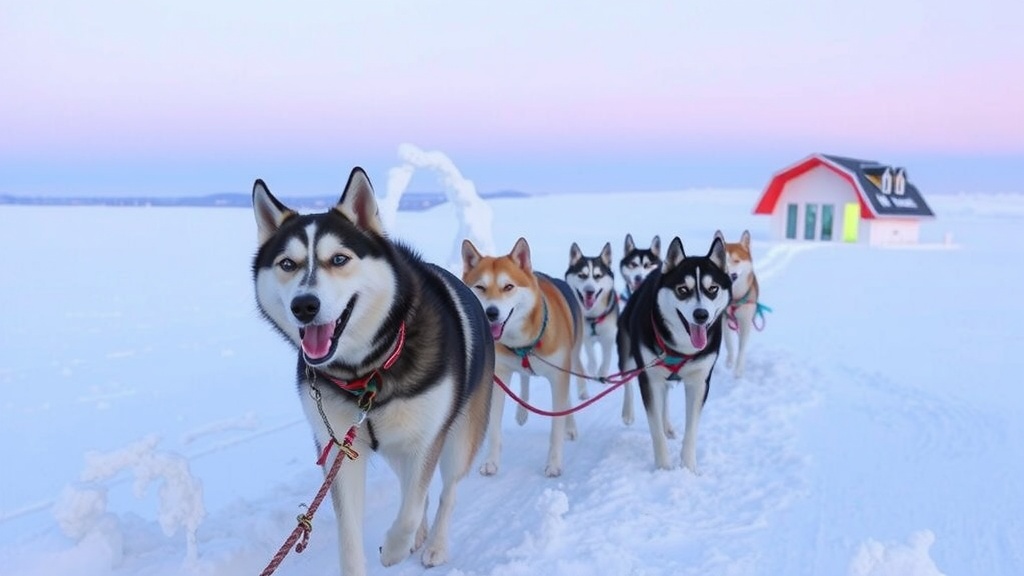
{"points": [[411, 351]]}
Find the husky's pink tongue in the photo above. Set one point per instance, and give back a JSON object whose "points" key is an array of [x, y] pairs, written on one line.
{"points": [[497, 329], [316, 340], [588, 299], [699, 336]]}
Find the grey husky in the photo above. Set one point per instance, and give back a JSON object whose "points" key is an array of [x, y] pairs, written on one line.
{"points": [[382, 335]]}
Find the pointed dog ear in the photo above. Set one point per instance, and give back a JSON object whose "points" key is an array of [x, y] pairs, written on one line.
{"points": [[520, 254], [270, 212], [719, 235], [745, 239], [470, 257], [358, 204], [717, 253], [675, 254], [656, 246], [606, 254], [629, 246], [575, 254]]}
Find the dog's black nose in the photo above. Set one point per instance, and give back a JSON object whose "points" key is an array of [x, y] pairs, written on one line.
{"points": [[305, 308], [734, 275], [492, 313], [701, 315]]}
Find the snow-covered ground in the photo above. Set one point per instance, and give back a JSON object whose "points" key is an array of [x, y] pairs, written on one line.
{"points": [[149, 424]]}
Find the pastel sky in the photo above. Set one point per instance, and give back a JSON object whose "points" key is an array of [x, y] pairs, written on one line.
{"points": [[200, 96]]}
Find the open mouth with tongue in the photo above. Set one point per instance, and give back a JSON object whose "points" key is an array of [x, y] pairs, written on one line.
{"points": [[319, 341], [698, 332], [588, 297], [498, 328]]}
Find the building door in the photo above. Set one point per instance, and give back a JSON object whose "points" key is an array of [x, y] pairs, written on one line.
{"points": [[851, 222]]}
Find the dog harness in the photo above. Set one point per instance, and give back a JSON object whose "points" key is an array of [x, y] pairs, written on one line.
{"points": [[668, 357], [523, 352], [595, 321], [730, 315], [365, 388]]}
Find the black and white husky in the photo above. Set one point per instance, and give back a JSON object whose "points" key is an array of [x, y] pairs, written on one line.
{"points": [[672, 328], [380, 334], [593, 282], [637, 263]]}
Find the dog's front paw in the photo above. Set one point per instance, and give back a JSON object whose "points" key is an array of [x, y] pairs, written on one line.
{"points": [[434, 555], [521, 415], [553, 470], [627, 417], [584, 394], [670, 432], [489, 468], [396, 548]]}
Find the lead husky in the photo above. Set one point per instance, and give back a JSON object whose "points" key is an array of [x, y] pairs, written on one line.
{"points": [[672, 329], [537, 327], [593, 282], [373, 322], [740, 316]]}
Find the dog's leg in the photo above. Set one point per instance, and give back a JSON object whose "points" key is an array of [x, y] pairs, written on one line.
{"points": [[559, 402], [490, 465], [421, 532], [670, 431], [581, 383], [727, 336], [348, 494], [696, 389], [627, 403], [746, 320], [415, 469], [524, 393], [653, 394], [606, 358], [455, 460]]}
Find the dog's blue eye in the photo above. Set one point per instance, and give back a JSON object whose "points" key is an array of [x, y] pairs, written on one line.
{"points": [[339, 260], [288, 265]]}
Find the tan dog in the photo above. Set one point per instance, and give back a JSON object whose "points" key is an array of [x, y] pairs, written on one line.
{"points": [[537, 328], [745, 292]]}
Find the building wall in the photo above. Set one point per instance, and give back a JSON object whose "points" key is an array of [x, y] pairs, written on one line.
{"points": [[819, 186], [893, 231]]}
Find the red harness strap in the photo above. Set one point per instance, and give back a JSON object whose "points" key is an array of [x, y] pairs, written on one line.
{"points": [[368, 384]]}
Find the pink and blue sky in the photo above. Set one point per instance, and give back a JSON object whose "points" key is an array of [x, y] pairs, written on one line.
{"points": [[190, 97]]}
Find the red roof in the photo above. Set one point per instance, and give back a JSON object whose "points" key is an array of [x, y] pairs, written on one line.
{"points": [[772, 193]]}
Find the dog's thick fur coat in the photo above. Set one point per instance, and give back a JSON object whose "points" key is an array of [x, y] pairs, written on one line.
{"points": [[348, 299], [532, 316]]}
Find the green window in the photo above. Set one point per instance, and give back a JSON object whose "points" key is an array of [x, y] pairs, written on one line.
{"points": [[791, 211], [810, 221], [827, 212]]}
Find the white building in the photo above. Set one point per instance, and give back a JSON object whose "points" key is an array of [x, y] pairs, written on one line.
{"points": [[836, 199]]}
